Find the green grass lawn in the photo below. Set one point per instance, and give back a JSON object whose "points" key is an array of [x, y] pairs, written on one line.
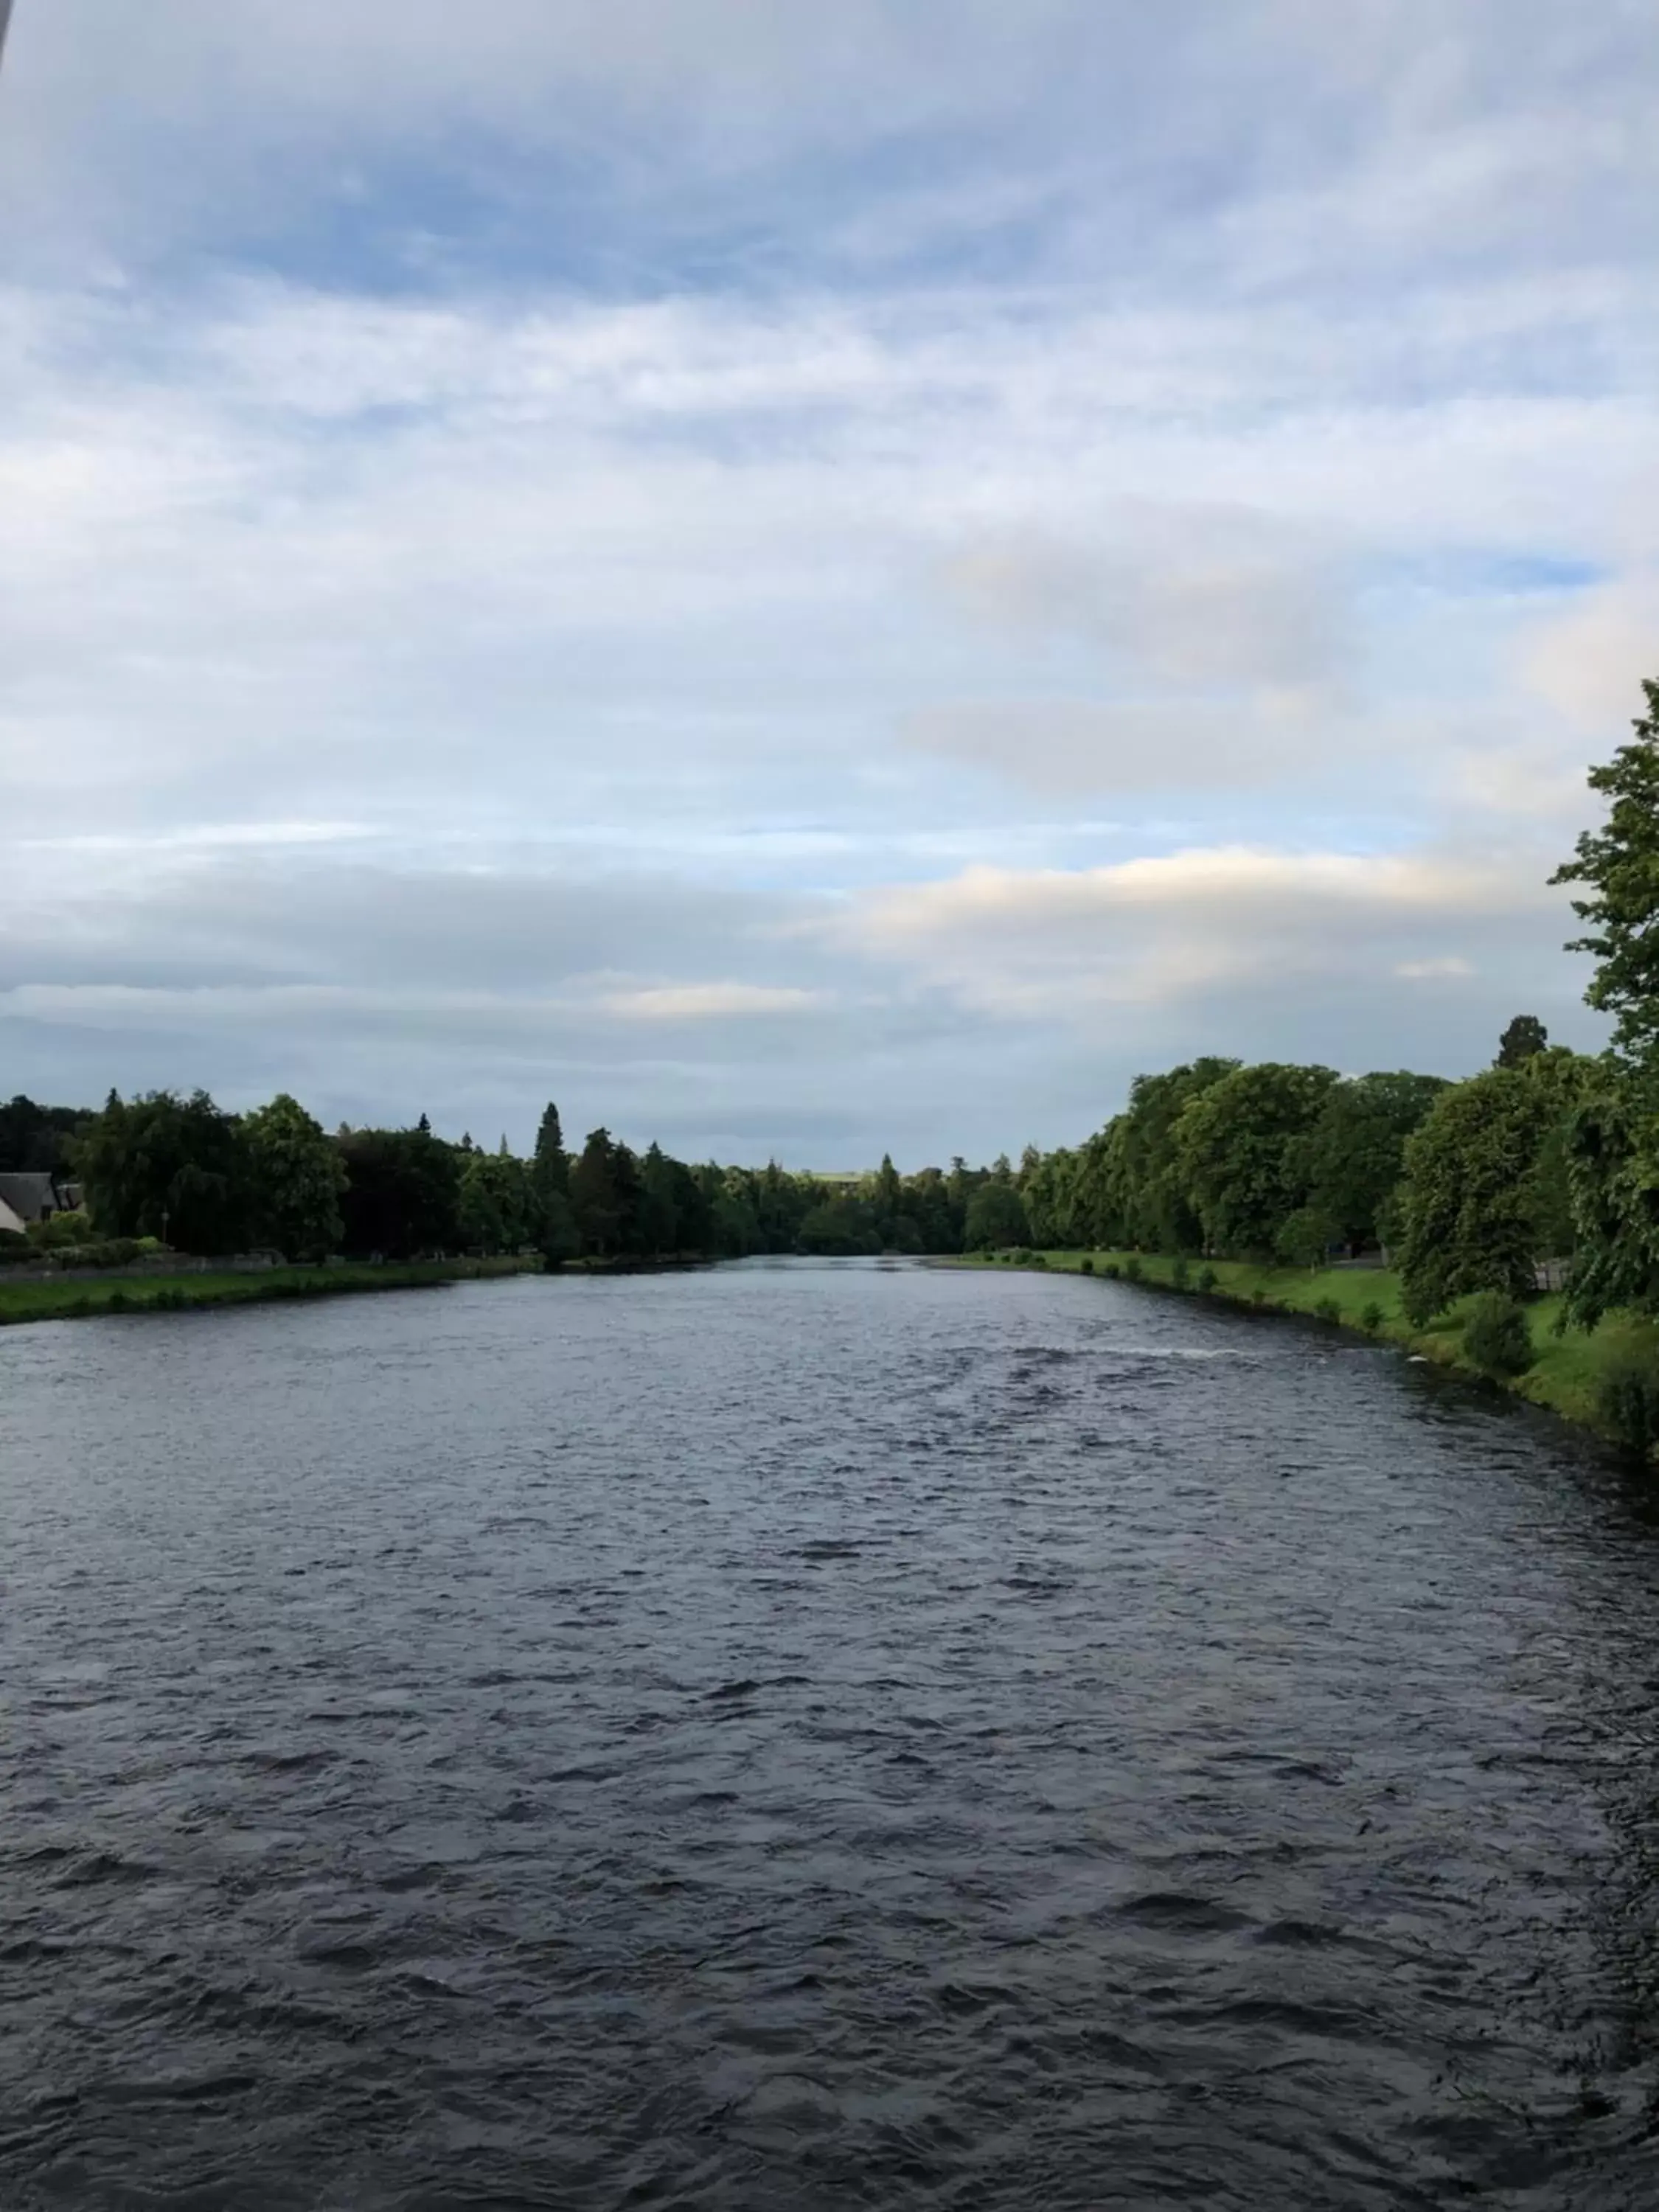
{"points": [[1565, 1378], [76, 1300]]}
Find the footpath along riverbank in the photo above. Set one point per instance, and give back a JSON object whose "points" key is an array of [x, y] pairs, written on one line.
{"points": [[1566, 1378], [72, 1297]]}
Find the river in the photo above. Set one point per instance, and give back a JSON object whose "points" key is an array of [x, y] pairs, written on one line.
{"points": [[813, 1736]]}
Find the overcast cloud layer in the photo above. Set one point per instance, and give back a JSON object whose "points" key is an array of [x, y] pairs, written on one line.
{"points": [[807, 580]]}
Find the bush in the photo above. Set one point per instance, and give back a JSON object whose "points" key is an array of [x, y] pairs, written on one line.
{"points": [[1370, 1317], [117, 1302], [1037, 1259], [1628, 1398], [1328, 1309], [1496, 1335], [1180, 1273], [1111, 1270], [1132, 1270], [1207, 1279], [1086, 1265], [58, 1229], [1258, 1297]]}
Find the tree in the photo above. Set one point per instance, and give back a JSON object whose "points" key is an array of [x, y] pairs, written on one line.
{"points": [[843, 1226], [1470, 1211], [1305, 1238], [886, 1197], [402, 1194], [555, 1227], [298, 1178], [996, 1218], [1611, 1157], [1131, 1185], [1619, 865], [1049, 1192], [1525, 1036], [162, 1165], [496, 1202], [595, 1203], [1353, 1156], [659, 1230], [1237, 1148], [37, 1140]]}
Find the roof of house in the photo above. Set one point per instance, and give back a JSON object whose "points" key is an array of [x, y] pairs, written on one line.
{"points": [[31, 1196]]}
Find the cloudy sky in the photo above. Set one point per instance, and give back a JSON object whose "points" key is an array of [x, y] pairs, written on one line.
{"points": [[807, 579]]}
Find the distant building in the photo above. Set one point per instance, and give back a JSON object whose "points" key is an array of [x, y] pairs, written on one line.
{"points": [[34, 1197]]}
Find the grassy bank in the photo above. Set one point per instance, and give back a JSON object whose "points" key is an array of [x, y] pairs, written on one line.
{"points": [[74, 1300], [1565, 1378]]}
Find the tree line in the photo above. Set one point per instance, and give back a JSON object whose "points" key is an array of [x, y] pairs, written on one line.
{"points": [[183, 1171], [1546, 1160], [1466, 1185], [1545, 1156]]}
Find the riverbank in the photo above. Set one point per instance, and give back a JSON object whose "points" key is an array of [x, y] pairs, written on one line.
{"points": [[1565, 1378], [72, 1299]]}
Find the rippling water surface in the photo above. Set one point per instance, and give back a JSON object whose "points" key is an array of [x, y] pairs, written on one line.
{"points": [[812, 1735]]}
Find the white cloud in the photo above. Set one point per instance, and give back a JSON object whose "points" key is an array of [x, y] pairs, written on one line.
{"points": [[1589, 664], [1155, 932], [1448, 967], [697, 1002], [455, 465]]}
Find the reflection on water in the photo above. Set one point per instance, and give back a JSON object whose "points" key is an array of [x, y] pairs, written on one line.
{"points": [[814, 1735]]}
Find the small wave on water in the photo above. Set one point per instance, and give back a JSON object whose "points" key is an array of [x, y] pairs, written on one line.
{"points": [[826, 1736]]}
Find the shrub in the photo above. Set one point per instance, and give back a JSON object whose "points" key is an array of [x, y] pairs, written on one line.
{"points": [[1370, 1317], [1258, 1296], [1038, 1260], [1496, 1335], [1111, 1270], [1628, 1398], [117, 1302], [1132, 1270], [1328, 1309], [1180, 1273], [1086, 1265], [1206, 1279]]}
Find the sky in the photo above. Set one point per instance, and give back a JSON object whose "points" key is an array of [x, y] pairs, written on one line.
{"points": [[809, 581]]}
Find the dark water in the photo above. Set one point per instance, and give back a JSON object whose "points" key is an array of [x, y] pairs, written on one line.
{"points": [[813, 1736]]}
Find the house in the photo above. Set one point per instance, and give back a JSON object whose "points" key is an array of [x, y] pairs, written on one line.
{"points": [[34, 1197]]}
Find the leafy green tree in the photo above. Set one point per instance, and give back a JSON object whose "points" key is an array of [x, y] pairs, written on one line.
{"points": [[1611, 1153], [1130, 1185], [37, 1140], [996, 1217], [167, 1166], [1619, 864], [403, 1193], [1240, 1151], [1048, 1189], [659, 1210], [1469, 1220], [929, 1205], [842, 1226], [1306, 1236], [495, 1203], [1525, 1036], [298, 1176], [1353, 1156]]}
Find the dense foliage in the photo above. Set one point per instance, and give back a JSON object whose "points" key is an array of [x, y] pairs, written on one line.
{"points": [[181, 1169]]}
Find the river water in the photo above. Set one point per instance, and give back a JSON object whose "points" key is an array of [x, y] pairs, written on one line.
{"points": [[813, 1736]]}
